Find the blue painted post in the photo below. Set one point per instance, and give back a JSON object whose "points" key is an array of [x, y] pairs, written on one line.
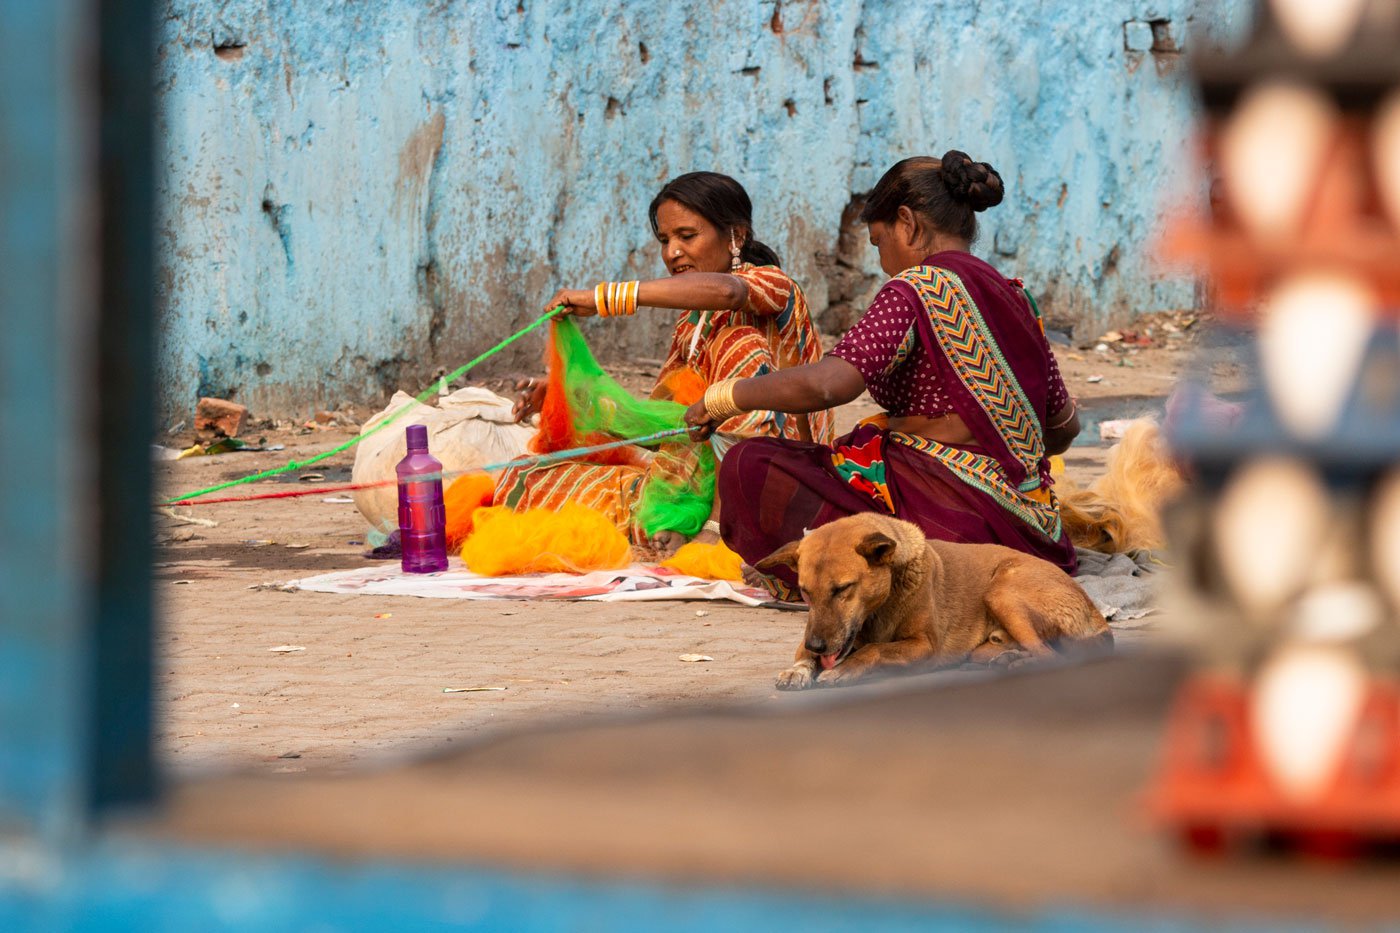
{"points": [[75, 358], [45, 474]]}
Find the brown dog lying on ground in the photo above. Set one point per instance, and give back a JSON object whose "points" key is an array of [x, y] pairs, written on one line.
{"points": [[882, 596]]}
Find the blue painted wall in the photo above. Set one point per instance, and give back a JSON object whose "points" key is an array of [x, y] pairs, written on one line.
{"points": [[356, 194]]}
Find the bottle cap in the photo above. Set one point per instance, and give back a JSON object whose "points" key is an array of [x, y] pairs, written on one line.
{"points": [[417, 435]]}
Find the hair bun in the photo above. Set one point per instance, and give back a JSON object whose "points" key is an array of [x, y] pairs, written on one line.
{"points": [[976, 183]]}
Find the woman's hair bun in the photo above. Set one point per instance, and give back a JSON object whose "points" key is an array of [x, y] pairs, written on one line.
{"points": [[976, 183]]}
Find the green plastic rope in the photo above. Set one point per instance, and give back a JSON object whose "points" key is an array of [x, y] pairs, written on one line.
{"points": [[422, 397]]}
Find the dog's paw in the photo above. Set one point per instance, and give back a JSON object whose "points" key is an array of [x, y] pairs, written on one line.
{"points": [[837, 675], [797, 677], [1010, 658]]}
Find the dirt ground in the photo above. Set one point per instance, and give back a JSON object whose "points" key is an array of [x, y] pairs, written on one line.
{"points": [[369, 684]]}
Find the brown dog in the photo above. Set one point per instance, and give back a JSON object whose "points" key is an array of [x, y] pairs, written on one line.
{"points": [[880, 595]]}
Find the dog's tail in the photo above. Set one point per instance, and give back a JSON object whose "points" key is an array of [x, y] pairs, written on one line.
{"points": [[1121, 510]]}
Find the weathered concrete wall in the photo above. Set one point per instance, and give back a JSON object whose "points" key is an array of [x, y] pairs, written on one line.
{"points": [[356, 194]]}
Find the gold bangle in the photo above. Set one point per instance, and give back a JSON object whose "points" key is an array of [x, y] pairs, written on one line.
{"points": [[719, 401], [615, 298]]}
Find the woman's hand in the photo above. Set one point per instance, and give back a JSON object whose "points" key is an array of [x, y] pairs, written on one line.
{"points": [[700, 423], [576, 301], [530, 400]]}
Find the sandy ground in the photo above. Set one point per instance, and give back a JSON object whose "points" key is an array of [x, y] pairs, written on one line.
{"points": [[370, 682]]}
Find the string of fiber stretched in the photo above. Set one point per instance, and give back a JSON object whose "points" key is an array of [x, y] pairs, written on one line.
{"points": [[539, 460], [583, 404], [420, 399]]}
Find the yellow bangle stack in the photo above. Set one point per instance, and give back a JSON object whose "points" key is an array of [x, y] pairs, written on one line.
{"points": [[614, 298], [719, 401]]}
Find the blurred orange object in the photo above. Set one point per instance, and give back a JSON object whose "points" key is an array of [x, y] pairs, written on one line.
{"points": [[1215, 787]]}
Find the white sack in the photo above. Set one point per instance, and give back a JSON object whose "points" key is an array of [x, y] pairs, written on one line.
{"points": [[470, 428]]}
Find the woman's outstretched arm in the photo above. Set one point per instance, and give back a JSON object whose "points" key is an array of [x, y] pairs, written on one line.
{"points": [[691, 291], [827, 383]]}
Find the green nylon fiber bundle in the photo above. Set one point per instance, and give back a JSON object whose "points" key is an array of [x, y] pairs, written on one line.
{"points": [[679, 491]]}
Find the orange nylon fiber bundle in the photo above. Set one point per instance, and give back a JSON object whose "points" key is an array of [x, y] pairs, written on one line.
{"points": [[556, 430], [1122, 510], [575, 539], [462, 498], [710, 561], [684, 386]]}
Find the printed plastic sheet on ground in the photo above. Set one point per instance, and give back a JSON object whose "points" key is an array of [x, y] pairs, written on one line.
{"points": [[634, 583]]}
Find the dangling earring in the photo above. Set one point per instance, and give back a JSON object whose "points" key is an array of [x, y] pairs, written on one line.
{"points": [[734, 261]]}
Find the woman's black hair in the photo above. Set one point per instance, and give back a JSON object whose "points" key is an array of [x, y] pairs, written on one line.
{"points": [[723, 202], [947, 192]]}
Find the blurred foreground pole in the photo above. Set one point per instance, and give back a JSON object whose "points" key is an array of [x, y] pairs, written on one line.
{"points": [[75, 364], [1290, 543]]}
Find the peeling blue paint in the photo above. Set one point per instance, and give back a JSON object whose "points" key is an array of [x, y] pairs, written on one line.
{"points": [[389, 186]]}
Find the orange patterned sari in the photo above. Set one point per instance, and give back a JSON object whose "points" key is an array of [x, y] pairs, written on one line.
{"points": [[773, 331]]}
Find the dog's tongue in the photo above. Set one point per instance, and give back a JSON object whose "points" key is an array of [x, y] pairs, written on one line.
{"points": [[828, 661]]}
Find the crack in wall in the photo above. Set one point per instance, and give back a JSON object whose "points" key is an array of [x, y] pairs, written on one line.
{"points": [[280, 216]]}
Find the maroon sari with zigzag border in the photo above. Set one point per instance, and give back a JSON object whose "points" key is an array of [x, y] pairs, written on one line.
{"points": [[995, 367]]}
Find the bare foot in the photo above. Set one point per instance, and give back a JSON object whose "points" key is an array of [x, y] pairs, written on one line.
{"points": [[667, 543]]}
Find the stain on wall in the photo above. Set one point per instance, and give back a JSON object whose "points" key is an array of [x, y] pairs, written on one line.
{"points": [[355, 196]]}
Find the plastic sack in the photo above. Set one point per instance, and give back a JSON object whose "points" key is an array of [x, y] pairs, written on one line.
{"points": [[470, 428]]}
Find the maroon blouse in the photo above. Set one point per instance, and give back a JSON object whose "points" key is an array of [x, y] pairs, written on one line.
{"points": [[902, 376]]}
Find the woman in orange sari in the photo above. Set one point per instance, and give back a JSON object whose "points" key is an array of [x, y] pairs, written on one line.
{"points": [[741, 316]]}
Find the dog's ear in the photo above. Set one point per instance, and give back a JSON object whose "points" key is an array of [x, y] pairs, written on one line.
{"points": [[877, 548], [785, 556]]}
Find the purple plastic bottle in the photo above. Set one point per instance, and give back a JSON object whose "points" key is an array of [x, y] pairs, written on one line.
{"points": [[422, 518]]}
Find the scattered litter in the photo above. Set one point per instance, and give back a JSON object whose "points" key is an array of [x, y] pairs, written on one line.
{"points": [[164, 453], [287, 649], [233, 706], [384, 615], [1114, 430], [696, 657], [297, 547], [471, 689], [290, 755], [1101, 348], [223, 445], [700, 613], [1112, 336], [1075, 356], [313, 477], [354, 542], [188, 519], [287, 769], [341, 500], [257, 542], [180, 582], [270, 585], [1094, 379]]}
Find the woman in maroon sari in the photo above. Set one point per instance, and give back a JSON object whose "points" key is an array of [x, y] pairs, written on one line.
{"points": [[956, 355]]}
